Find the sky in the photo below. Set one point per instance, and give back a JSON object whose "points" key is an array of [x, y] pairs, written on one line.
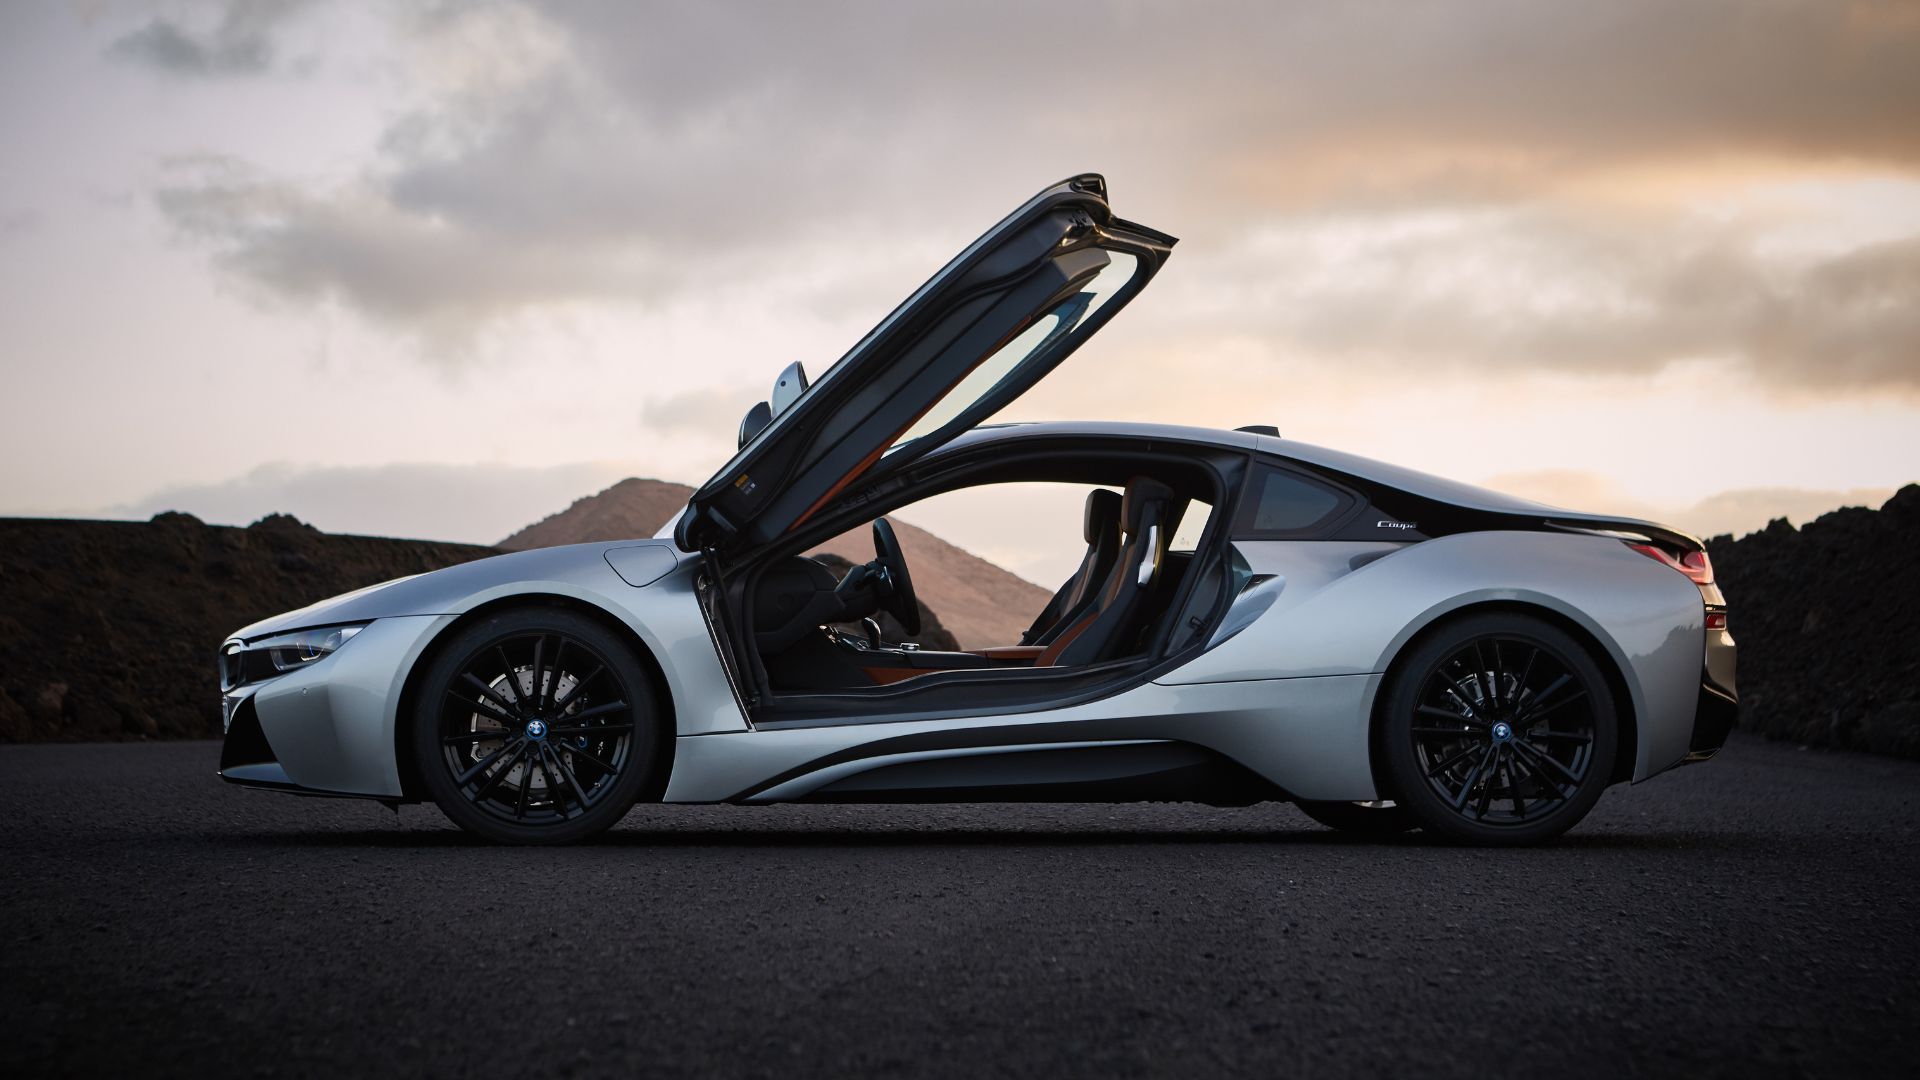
{"points": [[437, 270]]}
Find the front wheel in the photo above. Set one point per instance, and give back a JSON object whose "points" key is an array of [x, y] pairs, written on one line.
{"points": [[1498, 730], [535, 726]]}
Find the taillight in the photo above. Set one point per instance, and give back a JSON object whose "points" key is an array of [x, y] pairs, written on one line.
{"points": [[1716, 620], [1694, 564]]}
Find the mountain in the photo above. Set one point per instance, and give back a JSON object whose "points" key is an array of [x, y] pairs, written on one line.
{"points": [[932, 633], [629, 510], [980, 603], [1827, 617], [109, 629]]}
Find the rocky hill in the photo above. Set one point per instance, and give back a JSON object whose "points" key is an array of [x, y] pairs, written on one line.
{"points": [[633, 508], [932, 635], [108, 629], [1827, 617], [980, 603]]}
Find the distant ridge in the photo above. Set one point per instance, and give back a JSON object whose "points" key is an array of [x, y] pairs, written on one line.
{"points": [[631, 509], [981, 603]]}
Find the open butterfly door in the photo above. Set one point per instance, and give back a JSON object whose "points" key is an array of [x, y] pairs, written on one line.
{"points": [[991, 324]]}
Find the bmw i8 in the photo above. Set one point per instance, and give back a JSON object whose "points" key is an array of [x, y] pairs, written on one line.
{"points": [[1252, 618]]}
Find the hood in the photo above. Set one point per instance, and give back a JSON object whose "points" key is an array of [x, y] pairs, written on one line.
{"points": [[455, 589]]}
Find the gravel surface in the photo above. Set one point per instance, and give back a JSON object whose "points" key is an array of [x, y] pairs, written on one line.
{"points": [[1754, 916]]}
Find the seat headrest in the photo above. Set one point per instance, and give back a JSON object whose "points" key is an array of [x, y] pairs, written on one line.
{"points": [[1145, 496], [1103, 515]]}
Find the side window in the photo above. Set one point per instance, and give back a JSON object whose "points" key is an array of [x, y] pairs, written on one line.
{"points": [[1193, 522], [1282, 505], [985, 559]]}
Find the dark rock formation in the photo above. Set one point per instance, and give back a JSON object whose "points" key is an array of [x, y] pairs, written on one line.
{"points": [[108, 629], [1827, 617]]}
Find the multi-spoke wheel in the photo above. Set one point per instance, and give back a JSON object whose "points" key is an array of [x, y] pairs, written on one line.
{"points": [[536, 726], [1499, 729]]}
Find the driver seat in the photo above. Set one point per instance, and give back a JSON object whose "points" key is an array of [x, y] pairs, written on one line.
{"points": [[1111, 623]]}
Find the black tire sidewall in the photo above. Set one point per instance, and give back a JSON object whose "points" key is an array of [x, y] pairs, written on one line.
{"points": [[1407, 782], [1349, 817], [451, 658]]}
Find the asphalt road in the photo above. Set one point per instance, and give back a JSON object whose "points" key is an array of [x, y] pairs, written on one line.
{"points": [[1753, 916]]}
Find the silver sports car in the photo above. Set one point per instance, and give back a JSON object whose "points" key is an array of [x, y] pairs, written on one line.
{"points": [[1254, 618]]}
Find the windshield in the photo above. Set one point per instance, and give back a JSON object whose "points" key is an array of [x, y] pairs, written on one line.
{"points": [[1035, 341]]}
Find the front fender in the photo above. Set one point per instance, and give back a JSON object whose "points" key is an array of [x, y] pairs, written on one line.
{"points": [[358, 691]]}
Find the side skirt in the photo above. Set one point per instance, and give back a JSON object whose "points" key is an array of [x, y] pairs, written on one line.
{"points": [[1143, 770]]}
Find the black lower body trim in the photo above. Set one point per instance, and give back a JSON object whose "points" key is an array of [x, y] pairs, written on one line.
{"points": [[1713, 721], [246, 744], [1157, 772]]}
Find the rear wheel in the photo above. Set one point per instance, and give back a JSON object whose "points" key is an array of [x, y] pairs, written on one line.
{"points": [[1499, 730], [537, 726]]}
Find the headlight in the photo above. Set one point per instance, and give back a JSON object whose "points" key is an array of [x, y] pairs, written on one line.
{"points": [[302, 647]]}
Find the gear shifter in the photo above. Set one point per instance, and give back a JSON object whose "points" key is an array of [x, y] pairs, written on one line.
{"points": [[873, 632]]}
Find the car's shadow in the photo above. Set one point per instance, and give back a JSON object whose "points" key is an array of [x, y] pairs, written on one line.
{"points": [[971, 837]]}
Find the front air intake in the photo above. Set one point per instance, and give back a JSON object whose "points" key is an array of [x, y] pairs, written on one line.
{"points": [[246, 744]]}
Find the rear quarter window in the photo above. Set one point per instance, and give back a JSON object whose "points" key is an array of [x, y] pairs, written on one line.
{"points": [[1286, 505]]}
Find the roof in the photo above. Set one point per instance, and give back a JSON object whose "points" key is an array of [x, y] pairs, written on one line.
{"points": [[1412, 481]]}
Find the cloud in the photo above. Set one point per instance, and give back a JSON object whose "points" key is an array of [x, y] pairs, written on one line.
{"points": [[1736, 512], [240, 42], [20, 222], [702, 412], [356, 250], [1502, 80], [1513, 177], [1548, 289], [475, 504]]}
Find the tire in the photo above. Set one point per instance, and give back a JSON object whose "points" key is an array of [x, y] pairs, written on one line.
{"points": [[1360, 819], [1498, 730], [536, 726]]}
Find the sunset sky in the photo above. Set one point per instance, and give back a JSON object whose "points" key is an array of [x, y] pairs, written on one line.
{"points": [[437, 270]]}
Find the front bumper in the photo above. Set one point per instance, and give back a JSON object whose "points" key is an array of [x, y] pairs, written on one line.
{"points": [[331, 728]]}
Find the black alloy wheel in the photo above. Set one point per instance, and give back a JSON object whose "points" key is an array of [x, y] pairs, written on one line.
{"points": [[1499, 729], [538, 727]]}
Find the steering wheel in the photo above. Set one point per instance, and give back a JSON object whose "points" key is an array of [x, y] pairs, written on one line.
{"points": [[898, 599]]}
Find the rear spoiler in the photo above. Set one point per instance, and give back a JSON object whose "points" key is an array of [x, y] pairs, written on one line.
{"points": [[1645, 532]]}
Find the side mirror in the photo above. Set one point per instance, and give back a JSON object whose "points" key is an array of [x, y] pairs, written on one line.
{"points": [[788, 387], [757, 417]]}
